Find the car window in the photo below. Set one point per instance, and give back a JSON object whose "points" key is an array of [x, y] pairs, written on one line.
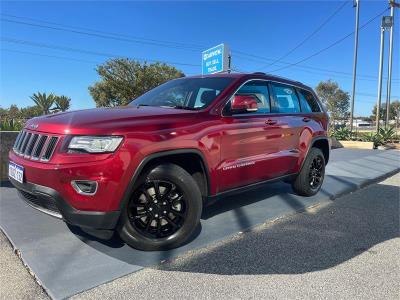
{"points": [[259, 90], [185, 93], [308, 102], [285, 100]]}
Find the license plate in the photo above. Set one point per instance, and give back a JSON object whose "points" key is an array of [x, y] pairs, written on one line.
{"points": [[16, 171]]}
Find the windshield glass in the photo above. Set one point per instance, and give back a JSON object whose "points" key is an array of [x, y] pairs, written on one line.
{"points": [[185, 93]]}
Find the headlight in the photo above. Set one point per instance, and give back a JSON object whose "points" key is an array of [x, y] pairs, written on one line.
{"points": [[95, 144]]}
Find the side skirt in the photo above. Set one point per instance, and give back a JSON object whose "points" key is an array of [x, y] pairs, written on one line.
{"points": [[214, 198]]}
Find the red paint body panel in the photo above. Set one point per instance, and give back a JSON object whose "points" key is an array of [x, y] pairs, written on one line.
{"points": [[237, 150]]}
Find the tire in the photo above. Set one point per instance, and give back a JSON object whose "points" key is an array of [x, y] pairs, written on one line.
{"points": [[303, 184], [165, 219]]}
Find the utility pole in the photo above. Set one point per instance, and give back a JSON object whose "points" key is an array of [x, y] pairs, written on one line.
{"points": [[386, 24], [356, 4], [392, 4]]}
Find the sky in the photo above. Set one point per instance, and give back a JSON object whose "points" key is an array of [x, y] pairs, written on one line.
{"points": [[37, 56]]}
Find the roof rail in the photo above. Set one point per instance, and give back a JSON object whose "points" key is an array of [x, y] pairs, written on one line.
{"points": [[263, 73]]}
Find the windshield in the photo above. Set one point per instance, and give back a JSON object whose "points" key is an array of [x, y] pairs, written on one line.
{"points": [[185, 93]]}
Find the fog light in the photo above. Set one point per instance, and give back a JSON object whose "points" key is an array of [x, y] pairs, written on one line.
{"points": [[85, 187]]}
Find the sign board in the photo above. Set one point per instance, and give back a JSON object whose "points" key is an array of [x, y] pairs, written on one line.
{"points": [[215, 60]]}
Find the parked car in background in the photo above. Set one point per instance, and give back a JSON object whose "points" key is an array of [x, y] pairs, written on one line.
{"points": [[146, 170]]}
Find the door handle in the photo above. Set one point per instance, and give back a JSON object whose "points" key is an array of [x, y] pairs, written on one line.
{"points": [[306, 119], [271, 122]]}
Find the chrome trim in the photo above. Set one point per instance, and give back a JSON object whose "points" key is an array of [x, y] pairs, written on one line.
{"points": [[26, 154], [46, 146], [304, 87], [79, 191], [43, 210], [22, 139], [17, 140], [25, 143], [32, 157]]}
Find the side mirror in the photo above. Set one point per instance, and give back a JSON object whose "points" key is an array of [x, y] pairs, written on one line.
{"points": [[243, 103]]}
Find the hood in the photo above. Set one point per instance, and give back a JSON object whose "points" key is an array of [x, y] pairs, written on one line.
{"points": [[102, 121]]}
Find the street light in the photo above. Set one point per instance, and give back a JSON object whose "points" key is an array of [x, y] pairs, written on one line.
{"points": [[387, 22], [392, 4], [356, 4]]}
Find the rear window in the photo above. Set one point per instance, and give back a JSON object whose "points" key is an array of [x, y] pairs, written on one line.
{"points": [[285, 99]]}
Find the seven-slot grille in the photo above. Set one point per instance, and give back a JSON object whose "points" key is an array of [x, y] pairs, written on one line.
{"points": [[35, 146]]}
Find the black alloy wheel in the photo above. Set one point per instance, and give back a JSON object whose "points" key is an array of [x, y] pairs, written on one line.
{"points": [[309, 181], [163, 211], [316, 172], [157, 209]]}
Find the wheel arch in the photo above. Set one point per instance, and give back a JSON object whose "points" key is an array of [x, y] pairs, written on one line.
{"points": [[191, 160], [322, 143]]}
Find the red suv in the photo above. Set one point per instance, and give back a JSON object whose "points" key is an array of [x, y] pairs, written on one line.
{"points": [[147, 169]]}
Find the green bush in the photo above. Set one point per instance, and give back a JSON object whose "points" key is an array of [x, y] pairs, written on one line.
{"points": [[384, 136], [342, 134], [11, 125], [387, 134], [373, 137]]}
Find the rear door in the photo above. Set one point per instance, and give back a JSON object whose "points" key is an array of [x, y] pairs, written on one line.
{"points": [[285, 106]]}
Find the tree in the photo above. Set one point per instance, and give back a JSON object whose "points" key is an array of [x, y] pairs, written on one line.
{"points": [[43, 101], [335, 99], [30, 112], [394, 111], [123, 80], [62, 103], [13, 112], [3, 113]]}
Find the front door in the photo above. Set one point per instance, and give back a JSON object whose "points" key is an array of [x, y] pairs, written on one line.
{"points": [[251, 142]]}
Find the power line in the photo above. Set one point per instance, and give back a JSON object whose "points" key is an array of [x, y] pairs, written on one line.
{"points": [[98, 62], [129, 40], [141, 40], [98, 33], [307, 38], [331, 45], [51, 56], [69, 49], [263, 59]]}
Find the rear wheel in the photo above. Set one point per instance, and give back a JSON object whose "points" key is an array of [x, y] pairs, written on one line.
{"points": [[163, 211], [309, 181]]}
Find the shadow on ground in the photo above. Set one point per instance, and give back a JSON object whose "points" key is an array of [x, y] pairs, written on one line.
{"points": [[314, 240]]}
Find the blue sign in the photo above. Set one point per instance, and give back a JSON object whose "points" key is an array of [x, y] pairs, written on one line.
{"points": [[215, 60]]}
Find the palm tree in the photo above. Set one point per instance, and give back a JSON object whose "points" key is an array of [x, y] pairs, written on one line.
{"points": [[62, 103], [43, 101]]}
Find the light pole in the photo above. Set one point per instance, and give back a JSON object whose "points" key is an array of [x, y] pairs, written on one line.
{"points": [[356, 4], [386, 24], [392, 4]]}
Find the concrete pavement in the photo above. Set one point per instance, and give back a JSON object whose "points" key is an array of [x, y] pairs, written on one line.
{"points": [[346, 249], [58, 253]]}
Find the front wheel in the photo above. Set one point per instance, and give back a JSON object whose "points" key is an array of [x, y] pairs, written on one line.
{"points": [[309, 181], [163, 211]]}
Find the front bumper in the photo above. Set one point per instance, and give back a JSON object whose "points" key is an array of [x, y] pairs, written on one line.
{"points": [[50, 202]]}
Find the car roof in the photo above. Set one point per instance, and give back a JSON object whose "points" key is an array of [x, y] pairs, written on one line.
{"points": [[256, 75]]}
